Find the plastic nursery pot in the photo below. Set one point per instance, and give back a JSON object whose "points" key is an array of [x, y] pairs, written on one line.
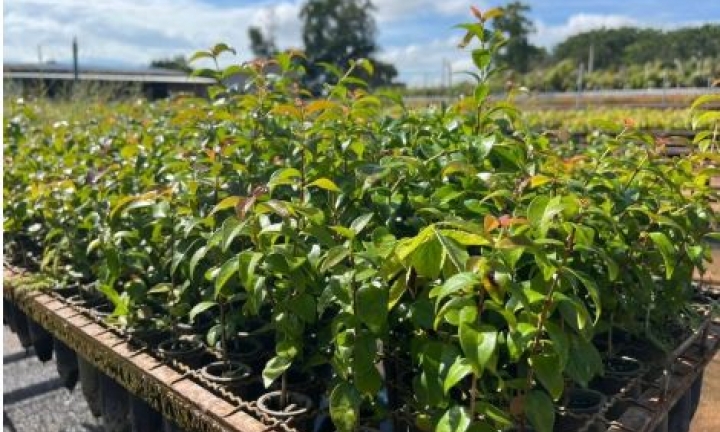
{"points": [[188, 351], [584, 401], [21, 328], [143, 418], [66, 362], [619, 374], [144, 333], [234, 376], [90, 384], [296, 410], [169, 426], [115, 405], [246, 349], [42, 341], [201, 325], [578, 412], [300, 381], [8, 314], [67, 291]]}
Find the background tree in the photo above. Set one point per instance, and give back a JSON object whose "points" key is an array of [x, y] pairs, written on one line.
{"points": [[518, 54], [179, 62], [261, 45], [337, 31]]}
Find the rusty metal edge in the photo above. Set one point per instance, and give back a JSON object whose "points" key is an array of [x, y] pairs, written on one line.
{"points": [[188, 414]]}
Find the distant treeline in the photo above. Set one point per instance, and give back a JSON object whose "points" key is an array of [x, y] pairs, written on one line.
{"points": [[628, 57], [621, 47]]}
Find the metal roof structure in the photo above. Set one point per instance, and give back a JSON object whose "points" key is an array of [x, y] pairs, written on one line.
{"points": [[53, 71]]}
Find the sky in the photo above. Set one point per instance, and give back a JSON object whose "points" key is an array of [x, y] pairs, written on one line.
{"points": [[417, 36]]}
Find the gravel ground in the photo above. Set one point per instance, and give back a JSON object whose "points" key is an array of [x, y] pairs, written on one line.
{"points": [[34, 399]]}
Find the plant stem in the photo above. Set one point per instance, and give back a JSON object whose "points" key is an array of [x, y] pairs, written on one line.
{"points": [[473, 393], [223, 334], [283, 390], [548, 302]]}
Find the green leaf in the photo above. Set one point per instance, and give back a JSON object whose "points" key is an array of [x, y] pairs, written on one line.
{"points": [[334, 257], [200, 308], [344, 407], [284, 176], [584, 361], [481, 58], [560, 342], [228, 269], [248, 264], [429, 258], [372, 307], [704, 99], [479, 344], [304, 307], [667, 250], [197, 256], [221, 48], [465, 238], [459, 370], [536, 209], [274, 368], [549, 371], [200, 55], [367, 376], [360, 223], [465, 281], [590, 286], [121, 306], [540, 410], [456, 419], [325, 183], [229, 202], [343, 231]]}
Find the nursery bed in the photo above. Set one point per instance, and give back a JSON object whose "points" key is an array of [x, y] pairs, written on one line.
{"points": [[668, 390]]}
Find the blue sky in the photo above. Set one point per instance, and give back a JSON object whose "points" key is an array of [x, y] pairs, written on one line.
{"points": [[416, 35]]}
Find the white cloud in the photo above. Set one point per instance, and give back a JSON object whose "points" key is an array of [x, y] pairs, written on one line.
{"points": [[123, 31], [396, 10], [548, 36], [134, 33]]}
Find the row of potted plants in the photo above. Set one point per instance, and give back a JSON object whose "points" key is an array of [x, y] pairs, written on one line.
{"points": [[450, 266]]}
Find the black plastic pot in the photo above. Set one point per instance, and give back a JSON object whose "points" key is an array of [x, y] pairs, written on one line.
{"points": [[90, 384], [66, 362], [200, 326], [303, 382], [584, 401], [146, 334], [188, 351], [67, 291], [115, 405], [248, 350], [21, 328], [143, 418], [84, 299], [581, 404], [296, 412], [620, 371], [681, 414], [169, 426], [8, 314], [234, 376], [42, 341]]}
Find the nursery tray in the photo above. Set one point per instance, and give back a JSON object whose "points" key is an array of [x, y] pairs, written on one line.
{"points": [[672, 396], [178, 395], [668, 387]]}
